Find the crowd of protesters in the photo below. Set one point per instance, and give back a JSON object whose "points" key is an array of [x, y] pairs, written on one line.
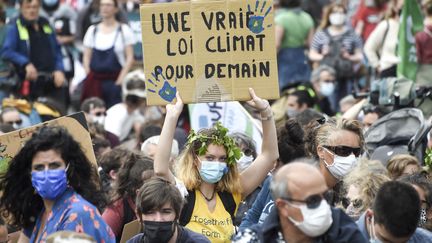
{"points": [[314, 178]]}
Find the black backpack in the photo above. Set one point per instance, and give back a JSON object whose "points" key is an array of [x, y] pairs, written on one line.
{"points": [[226, 198], [334, 59]]}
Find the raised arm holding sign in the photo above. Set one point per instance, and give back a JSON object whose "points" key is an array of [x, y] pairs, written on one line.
{"points": [[209, 50], [208, 169]]}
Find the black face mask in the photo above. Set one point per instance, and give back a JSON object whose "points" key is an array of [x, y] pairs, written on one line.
{"points": [[158, 232]]}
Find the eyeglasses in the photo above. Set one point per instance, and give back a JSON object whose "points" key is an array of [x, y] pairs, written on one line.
{"points": [[17, 122], [329, 81], [344, 151], [100, 113], [311, 202]]}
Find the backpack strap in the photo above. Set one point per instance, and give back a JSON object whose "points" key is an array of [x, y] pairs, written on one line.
{"points": [[226, 198], [94, 35], [128, 212], [229, 203], [187, 210]]}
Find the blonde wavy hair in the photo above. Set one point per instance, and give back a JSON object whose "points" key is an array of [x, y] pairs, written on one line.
{"points": [[320, 132], [188, 172], [367, 177], [397, 164]]}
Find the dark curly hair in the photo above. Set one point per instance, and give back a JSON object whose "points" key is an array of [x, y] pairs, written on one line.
{"points": [[290, 141], [130, 176], [19, 201]]}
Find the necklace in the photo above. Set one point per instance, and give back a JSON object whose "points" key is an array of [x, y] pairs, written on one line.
{"points": [[206, 198]]}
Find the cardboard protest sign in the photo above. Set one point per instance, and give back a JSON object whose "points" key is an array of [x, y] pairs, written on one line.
{"points": [[130, 230], [209, 50], [232, 115], [11, 143]]}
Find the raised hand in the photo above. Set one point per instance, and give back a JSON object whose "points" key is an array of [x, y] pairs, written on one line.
{"points": [[174, 110], [257, 102]]}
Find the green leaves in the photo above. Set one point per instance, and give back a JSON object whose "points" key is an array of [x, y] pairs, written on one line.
{"points": [[428, 158], [219, 138]]}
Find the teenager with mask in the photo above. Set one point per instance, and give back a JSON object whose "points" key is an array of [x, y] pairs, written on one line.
{"points": [[301, 213], [159, 204], [337, 145], [394, 216], [208, 168], [50, 185]]}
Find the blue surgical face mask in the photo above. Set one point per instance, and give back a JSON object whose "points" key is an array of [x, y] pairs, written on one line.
{"points": [[49, 184], [212, 171]]}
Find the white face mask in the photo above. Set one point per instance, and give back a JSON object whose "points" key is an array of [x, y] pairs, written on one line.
{"points": [[315, 221], [291, 113], [373, 238], [244, 162], [99, 120], [337, 18], [326, 88], [341, 165]]}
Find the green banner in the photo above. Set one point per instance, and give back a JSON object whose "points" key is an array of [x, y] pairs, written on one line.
{"points": [[411, 23]]}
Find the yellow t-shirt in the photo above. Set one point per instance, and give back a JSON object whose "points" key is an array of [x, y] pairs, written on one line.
{"points": [[217, 226]]}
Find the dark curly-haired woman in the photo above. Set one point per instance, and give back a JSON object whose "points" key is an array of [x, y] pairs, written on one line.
{"points": [[51, 186]]}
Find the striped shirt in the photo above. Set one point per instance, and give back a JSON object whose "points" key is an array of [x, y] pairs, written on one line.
{"points": [[351, 41]]}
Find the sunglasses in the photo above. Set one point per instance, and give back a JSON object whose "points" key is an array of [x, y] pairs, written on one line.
{"points": [[17, 122], [100, 113], [311, 202], [344, 151], [357, 203]]}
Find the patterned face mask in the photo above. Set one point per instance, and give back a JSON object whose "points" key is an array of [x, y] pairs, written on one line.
{"points": [[423, 218]]}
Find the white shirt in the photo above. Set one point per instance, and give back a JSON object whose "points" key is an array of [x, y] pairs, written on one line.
{"points": [[105, 41], [119, 122], [387, 47]]}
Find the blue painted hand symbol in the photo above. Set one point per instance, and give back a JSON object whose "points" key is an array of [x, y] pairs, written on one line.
{"points": [[167, 92], [256, 22]]}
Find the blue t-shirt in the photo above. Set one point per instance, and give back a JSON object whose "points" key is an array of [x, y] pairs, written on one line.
{"points": [[71, 212]]}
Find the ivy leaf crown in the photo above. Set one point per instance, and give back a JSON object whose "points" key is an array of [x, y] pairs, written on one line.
{"points": [[219, 137]]}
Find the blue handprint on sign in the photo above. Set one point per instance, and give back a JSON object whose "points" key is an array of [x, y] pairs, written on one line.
{"points": [[167, 92], [256, 22]]}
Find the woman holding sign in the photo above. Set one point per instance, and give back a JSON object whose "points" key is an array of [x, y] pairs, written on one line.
{"points": [[50, 186], [208, 169]]}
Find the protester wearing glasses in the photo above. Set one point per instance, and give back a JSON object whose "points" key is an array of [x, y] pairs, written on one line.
{"points": [[337, 144], [301, 214], [361, 186]]}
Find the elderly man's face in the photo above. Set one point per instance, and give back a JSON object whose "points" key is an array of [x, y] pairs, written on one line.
{"points": [[301, 189]]}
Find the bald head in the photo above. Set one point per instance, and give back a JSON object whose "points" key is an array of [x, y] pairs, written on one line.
{"points": [[298, 180]]}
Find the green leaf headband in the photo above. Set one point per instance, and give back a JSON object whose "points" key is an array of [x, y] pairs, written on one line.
{"points": [[219, 138]]}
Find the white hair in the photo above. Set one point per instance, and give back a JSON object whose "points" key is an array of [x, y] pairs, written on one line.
{"points": [[155, 140]]}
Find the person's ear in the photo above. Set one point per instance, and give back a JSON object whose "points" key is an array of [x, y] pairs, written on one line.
{"points": [[281, 207], [113, 174], [429, 213], [320, 151], [369, 215]]}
